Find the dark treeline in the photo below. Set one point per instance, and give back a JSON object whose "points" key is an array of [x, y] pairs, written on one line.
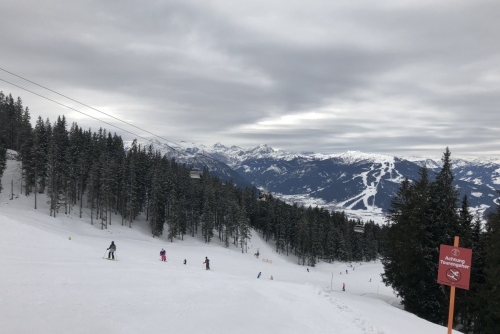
{"points": [[425, 214], [75, 169]]}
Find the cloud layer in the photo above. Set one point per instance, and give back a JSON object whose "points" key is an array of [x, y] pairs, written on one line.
{"points": [[395, 77]]}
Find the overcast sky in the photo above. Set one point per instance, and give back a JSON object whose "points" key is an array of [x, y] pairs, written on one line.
{"points": [[398, 77]]}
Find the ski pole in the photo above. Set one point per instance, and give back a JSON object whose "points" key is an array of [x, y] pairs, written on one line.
{"points": [[104, 256]]}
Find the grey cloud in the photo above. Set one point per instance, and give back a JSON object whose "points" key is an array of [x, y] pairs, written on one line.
{"points": [[404, 78]]}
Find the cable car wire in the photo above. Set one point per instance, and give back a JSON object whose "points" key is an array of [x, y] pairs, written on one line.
{"points": [[100, 120], [83, 104]]}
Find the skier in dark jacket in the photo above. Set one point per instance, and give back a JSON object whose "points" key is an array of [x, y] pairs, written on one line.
{"points": [[207, 263], [163, 255], [112, 250]]}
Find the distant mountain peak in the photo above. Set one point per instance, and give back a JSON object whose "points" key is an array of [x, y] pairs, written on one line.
{"points": [[357, 156], [219, 145], [263, 149]]}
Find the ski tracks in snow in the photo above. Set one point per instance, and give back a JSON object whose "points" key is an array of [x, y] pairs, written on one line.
{"points": [[367, 196], [359, 320]]}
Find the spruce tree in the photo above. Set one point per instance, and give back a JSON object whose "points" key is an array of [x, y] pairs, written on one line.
{"points": [[26, 142], [131, 183], [208, 217], [489, 292], [463, 297], [58, 175], [3, 136], [157, 200], [40, 157], [243, 229], [473, 320], [445, 225], [3, 159], [405, 258], [302, 243]]}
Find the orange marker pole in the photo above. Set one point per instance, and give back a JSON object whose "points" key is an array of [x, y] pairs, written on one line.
{"points": [[452, 297]]}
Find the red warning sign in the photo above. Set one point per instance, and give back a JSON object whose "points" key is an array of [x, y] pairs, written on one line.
{"points": [[454, 266]]}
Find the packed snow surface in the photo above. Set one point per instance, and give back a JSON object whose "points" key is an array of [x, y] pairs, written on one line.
{"points": [[56, 279]]}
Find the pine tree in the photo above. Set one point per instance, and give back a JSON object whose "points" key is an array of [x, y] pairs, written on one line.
{"points": [[463, 297], [3, 136], [174, 213], [472, 318], [3, 159], [157, 200], [131, 184], [105, 189], [370, 237], [39, 156], [58, 176], [489, 292], [444, 198], [279, 224], [26, 141], [84, 165], [244, 233], [444, 227], [405, 258], [11, 119], [208, 217]]}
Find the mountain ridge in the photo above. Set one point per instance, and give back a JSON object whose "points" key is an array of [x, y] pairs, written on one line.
{"points": [[362, 184]]}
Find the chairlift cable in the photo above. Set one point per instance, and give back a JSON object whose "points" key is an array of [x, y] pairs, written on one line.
{"points": [[107, 114]]}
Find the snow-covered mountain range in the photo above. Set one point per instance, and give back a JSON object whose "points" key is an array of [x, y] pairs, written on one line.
{"points": [[358, 183]]}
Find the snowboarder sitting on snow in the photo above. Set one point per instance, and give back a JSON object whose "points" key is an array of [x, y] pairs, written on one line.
{"points": [[112, 250], [207, 263], [163, 255]]}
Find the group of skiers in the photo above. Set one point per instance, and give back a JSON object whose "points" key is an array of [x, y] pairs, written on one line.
{"points": [[163, 255], [260, 273]]}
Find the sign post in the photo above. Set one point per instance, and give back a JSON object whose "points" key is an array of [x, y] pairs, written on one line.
{"points": [[454, 270]]}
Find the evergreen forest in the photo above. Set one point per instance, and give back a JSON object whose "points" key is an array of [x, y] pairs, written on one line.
{"points": [[95, 173], [76, 169]]}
